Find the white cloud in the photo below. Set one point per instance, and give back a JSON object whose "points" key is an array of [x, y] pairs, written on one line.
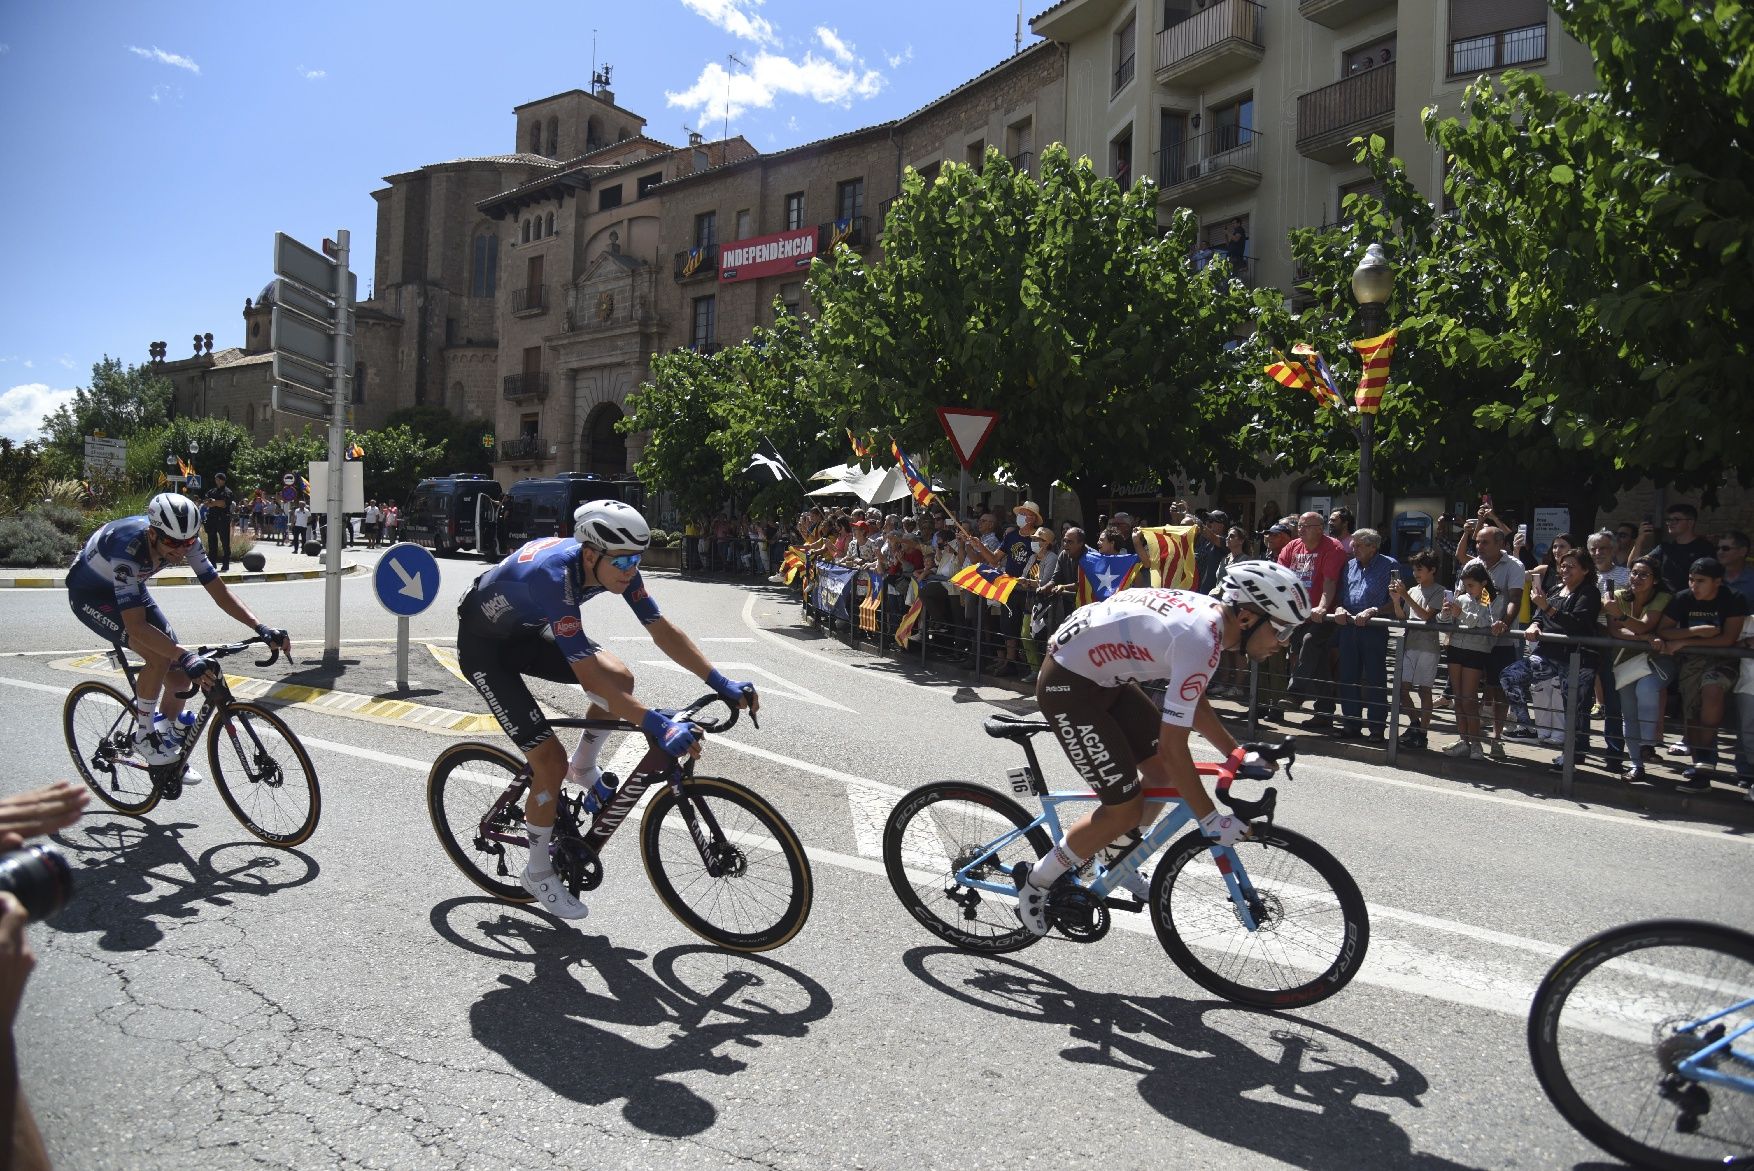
{"points": [[831, 41], [29, 365], [716, 95], [312, 74], [5, 48], [897, 60], [163, 58], [731, 16], [22, 409], [67, 362]]}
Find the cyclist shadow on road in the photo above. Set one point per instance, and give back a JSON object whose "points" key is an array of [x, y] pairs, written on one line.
{"points": [[563, 1024], [1283, 1086], [133, 874]]}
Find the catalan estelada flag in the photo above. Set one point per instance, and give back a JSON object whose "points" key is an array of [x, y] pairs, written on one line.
{"points": [[1169, 553], [870, 610], [1100, 575], [916, 607], [1376, 352], [185, 468], [861, 447], [984, 581], [915, 482], [304, 486], [793, 564]]}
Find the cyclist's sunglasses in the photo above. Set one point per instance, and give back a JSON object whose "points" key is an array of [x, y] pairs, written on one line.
{"points": [[175, 543], [625, 562], [1281, 630]]}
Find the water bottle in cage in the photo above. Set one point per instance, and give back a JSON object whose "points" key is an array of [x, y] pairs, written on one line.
{"points": [[600, 793]]}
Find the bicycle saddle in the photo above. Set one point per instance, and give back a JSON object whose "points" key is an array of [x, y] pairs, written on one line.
{"points": [[1013, 727]]}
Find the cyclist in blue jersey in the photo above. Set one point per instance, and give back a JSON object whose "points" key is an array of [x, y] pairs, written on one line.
{"points": [[106, 589], [522, 618]]}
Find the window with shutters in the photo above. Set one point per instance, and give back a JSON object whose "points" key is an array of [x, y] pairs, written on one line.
{"points": [[794, 210], [1494, 34]]}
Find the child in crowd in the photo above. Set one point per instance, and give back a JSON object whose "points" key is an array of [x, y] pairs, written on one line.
{"points": [[1471, 612], [1420, 603]]}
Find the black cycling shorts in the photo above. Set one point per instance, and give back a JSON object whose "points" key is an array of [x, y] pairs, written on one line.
{"points": [[103, 617], [1104, 731], [497, 666]]}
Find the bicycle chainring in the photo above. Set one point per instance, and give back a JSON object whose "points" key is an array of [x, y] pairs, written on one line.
{"points": [[577, 864], [169, 779], [1077, 914]]}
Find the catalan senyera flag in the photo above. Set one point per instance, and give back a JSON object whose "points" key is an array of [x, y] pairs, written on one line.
{"points": [[1169, 554], [861, 447], [1376, 352], [356, 452], [916, 607], [984, 581], [185, 468], [792, 565], [870, 610], [1327, 391], [916, 483], [1100, 575], [304, 486]]}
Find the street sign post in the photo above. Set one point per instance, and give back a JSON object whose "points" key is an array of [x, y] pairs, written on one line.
{"points": [[969, 429], [105, 457], [406, 583], [311, 328]]}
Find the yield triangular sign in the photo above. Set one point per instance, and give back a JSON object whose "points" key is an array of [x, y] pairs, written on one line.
{"points": [[969, 429]]}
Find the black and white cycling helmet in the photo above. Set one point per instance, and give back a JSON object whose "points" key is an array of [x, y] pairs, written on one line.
{"points": [[177, 517], [611, 526], [1271, 588]]}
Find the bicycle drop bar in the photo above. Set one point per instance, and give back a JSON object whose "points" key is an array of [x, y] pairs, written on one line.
{"points": [[234, 648], [1263, 807]]}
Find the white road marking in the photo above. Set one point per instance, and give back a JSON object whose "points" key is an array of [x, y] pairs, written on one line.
{"points": [[774, 684], [35, 686], [647, 638]]}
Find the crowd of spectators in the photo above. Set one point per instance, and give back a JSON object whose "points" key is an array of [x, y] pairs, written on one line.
{"points": [[1479, 608]]}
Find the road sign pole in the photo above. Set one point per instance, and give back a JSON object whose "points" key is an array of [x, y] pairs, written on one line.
{"points": [[337, 421], [401, 654]]}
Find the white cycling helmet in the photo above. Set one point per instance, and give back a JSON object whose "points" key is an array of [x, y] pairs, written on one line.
{"points": [[1269, 587], [611, 526], [177, 517]]}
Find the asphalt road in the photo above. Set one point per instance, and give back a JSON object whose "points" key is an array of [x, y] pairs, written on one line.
{"points": [[210, 1002]]}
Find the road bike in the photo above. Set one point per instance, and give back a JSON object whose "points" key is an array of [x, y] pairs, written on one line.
{"points": [[720, 857], [262, 772], [1641, 1038], [1275, 922]]}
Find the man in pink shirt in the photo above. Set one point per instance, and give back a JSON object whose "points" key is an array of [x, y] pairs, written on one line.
{"points": [[1318, 560]]}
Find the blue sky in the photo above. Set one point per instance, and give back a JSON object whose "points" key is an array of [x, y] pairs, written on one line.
{"points": [[152, 150]]}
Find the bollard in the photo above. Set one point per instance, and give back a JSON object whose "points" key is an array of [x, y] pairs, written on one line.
{"points": [[1254, 699]]}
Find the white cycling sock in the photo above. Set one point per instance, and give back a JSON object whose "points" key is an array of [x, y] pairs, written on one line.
{"points": [[145, 705], [584, 757], [1058, 861], [540, 836]]}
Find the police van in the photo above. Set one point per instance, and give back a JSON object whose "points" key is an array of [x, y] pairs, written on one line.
{"points": [[542, 506], [451, 513]]}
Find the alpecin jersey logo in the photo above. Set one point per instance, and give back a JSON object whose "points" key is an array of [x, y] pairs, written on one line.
{"points": [[494, 608]]}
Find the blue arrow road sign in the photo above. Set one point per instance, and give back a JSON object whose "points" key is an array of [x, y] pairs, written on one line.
{"points": [[407, 579]]}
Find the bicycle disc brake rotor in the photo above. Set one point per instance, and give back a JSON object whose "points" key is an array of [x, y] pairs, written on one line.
{"points": [[1268, 910], [728, 861], [577, 864]]}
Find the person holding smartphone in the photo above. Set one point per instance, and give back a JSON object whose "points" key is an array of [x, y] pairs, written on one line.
{"points": [[1419, 606]]}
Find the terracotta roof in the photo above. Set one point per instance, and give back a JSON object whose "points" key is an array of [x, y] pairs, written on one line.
{"points": [[495, 160], [1013, 59], [640, 118]]}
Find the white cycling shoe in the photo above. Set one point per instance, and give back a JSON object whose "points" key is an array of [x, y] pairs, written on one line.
{"points": [[550, 891], [1138, 884], [157, 749], [1032, 901]]}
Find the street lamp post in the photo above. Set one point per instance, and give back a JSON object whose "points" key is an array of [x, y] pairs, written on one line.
{"points": [[1372, 282]]}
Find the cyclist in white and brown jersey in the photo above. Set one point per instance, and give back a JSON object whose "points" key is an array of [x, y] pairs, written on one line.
{"points": [[1112, 731]]}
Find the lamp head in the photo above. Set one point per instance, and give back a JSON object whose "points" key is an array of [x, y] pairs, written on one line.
{"points": [[1374, 278]]}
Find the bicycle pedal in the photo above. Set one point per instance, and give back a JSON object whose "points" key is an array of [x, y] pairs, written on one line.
{"points": [[1116, 903]]}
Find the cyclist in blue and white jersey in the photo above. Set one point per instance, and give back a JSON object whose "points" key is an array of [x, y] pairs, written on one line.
{"points": [[522, 618], [106, 589]]}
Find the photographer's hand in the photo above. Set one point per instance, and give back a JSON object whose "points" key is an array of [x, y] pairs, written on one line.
{"points": [[16, 960], [40, 811]]}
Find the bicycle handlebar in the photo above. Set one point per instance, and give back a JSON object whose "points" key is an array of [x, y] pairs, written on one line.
{"points": [[235, 648], [712, 727]]}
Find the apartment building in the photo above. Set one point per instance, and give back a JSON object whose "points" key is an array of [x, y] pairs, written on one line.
{"points": [[1244, 111]]}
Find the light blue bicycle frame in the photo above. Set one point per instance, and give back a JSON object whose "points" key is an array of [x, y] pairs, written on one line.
{"points": [[1163, 831], [1697, 1068]]}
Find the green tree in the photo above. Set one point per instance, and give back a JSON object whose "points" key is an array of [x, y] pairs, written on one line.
{"points": [[217, 444], [263, 466], [120, 401], [462, 439], [1622, 226], [396, 459], [675, 408], [1058, 302]]}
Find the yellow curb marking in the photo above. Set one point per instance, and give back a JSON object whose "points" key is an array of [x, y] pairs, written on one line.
{"points": [[447, 658]]}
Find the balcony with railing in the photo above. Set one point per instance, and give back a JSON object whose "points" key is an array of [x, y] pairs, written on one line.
{"points": [[1123, 74], [1329, 118], [1023, 162], [696, 263], [523, 449], [1241, 267], [1212, 44], [851, 232], [1220, 162], [530, 384], [1339, 13], [1498, 50], [530, 302]]}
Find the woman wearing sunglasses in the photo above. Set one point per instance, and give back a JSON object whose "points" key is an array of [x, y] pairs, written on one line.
{"points": [[522, 618], [107, 590]]}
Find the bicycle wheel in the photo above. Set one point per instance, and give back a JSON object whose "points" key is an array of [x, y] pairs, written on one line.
{"points": [[761, 896], [99, 724], [1311, 926], [1611, 1022], [463, 788], [942, 827], [272, 786]]}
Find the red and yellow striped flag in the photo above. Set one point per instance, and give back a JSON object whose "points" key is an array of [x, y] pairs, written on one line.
{"points": [[861, 447], [793, 564], [1376, 352], [983, 581], [904, 629], [1169, 553]]}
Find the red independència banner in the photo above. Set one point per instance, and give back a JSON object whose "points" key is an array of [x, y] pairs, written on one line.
{"points": [[759, 256]]}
